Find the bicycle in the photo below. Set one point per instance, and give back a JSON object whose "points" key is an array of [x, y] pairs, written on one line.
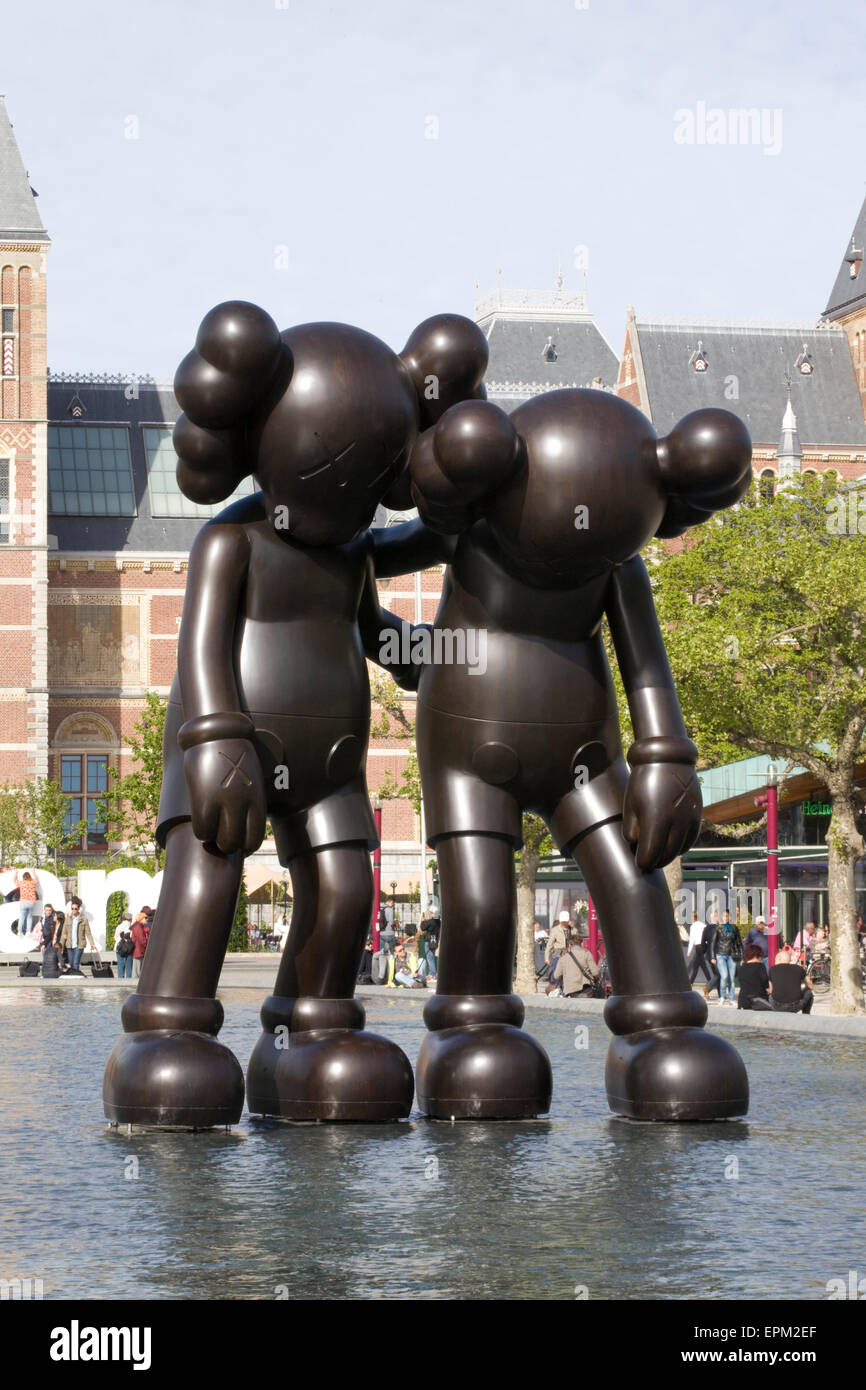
{"points": [[818, 970]]}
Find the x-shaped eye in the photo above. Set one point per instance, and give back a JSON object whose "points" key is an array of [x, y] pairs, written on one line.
{"points": [[335, 462]]}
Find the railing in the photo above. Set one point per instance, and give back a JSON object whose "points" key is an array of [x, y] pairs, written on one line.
{"points": [[532, 302]]}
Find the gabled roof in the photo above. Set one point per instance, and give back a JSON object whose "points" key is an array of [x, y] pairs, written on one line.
{"points": [[517, 352], [849, 291], [746, 370], [19, 219]]}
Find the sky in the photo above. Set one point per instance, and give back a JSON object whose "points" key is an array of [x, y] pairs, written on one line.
{"points": [[373, 163]]}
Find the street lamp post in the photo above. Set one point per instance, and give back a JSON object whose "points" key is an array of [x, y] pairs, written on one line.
{"points": [[592, 917], [424, 902], [377, 873], [773, 925]]}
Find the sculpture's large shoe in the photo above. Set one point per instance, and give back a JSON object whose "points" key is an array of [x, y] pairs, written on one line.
{"points": [[670, 1069], [314, 1062], [172, 1079], [477, 1064]]}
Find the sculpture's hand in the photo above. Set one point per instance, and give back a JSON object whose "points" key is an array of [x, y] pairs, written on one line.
{"points": [[226, 794], [661, 812]]}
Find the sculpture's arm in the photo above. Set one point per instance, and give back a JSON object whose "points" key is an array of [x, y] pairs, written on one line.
{"points": [[409, 547], [223, 773], [387, 639], [662, 809]]}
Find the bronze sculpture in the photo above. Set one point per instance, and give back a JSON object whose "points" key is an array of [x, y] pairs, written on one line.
{"points": [[269, 714], [552, 505]]}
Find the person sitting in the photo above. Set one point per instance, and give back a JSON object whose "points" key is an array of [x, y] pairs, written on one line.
{"points": [[820, 944], [576, 968], [406, 969], [790, 987], [754, 980], [365, 973]]}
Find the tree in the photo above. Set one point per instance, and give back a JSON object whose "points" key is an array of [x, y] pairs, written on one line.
{"points": [[12, 802], [131, 805], [47, 827], [396, 719], [764, 615], [536, 842]]}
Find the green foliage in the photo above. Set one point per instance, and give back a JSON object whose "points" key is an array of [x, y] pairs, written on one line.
{"points": [[11, 824], [46, 829], [131, 804], [763, 611], [396, 719], [114, 910]]}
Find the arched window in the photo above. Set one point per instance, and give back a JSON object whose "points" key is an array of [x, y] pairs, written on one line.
{"points": [[767, 485], [84, 746]]}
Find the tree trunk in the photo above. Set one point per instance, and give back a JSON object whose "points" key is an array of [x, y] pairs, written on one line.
{"points": [[524, 975], [844, 847]]}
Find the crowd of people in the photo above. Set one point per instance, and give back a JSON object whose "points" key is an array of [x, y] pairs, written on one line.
{"points": [[62, 935], [718, 952], [406, 957], [563, 965]]}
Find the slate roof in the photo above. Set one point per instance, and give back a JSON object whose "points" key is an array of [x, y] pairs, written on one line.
{"points": [[827, 403], [517, 352], [848, 293], [19, 219], [105, 402]]}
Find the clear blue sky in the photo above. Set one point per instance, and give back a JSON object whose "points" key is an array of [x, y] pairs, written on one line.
{"points": [[304, 127]]}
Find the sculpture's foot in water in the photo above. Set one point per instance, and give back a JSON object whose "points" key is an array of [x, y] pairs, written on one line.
{"points": [[314, 1062], [663, 1066], [477, 1064], [169, 1070]]}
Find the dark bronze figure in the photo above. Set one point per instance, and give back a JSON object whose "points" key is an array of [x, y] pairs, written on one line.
{"points": [[554, 504], [269, 714]]}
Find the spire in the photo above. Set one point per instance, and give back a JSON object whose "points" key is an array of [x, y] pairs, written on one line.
{"points": [[790, 455], [19, 219], [849, 290]]}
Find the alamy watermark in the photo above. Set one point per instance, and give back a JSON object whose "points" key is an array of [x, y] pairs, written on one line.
{"points": [[440, 646], [759, 126]]}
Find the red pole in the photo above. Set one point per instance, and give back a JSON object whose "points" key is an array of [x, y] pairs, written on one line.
{"points": [[593, 927], [377, 876], [772, 862]]}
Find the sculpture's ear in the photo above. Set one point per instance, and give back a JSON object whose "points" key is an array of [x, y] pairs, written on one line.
{"points": [[705, 465], [446, 357], [469, 454], [237, 352]]}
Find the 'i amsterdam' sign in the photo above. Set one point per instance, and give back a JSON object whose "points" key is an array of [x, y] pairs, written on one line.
{"points": [[95, 887]]}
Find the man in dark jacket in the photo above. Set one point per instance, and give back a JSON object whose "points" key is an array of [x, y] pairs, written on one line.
{"points": [[704, 957]]}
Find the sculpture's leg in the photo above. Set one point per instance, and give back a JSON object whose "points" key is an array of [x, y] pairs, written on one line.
{"points": [[475, 1062], [661, 1065], [168, 1068], [314, 1061]]}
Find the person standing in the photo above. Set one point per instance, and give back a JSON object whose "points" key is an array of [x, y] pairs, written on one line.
{"points": [[757, 936], [803, 940], [705, 952], [693, 960], [123, 948], [387, 926], [140, 933], [558, 939], [28, 888], [727, 950], [75, 935]]}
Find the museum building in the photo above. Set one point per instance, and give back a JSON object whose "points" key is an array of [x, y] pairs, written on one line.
{"points": [[95, 534]]}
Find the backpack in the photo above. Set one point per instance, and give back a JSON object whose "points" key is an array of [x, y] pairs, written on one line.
{"points": [[124, 947], [28, 967]]}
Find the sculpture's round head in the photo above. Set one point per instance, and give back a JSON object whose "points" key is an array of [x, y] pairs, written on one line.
{"points": [[324, 415], [575, 482]]}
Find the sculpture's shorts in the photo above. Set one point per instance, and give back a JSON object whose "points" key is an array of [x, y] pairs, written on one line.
{"points": [[480, 775], [313, 770]]}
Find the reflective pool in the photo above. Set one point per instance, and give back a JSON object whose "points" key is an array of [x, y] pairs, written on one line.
{"points": [[769, 1207]]}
